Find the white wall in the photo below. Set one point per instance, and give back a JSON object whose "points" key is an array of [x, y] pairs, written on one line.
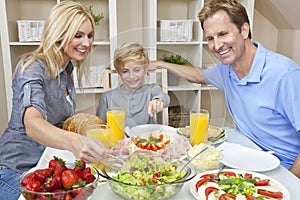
{"points": [[289, 43], [286, 42], [264, 32]]}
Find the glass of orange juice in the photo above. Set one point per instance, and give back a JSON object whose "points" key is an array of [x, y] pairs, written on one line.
{"points": [[199, 120], [101, 132], [116, 122]]}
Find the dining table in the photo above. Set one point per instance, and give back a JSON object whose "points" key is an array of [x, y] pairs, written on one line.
{"points": [[280, 174]]}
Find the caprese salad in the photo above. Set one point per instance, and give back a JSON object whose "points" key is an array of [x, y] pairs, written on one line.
{"points": [[236, 185]]}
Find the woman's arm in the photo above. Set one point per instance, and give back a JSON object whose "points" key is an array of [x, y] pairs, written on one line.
{"points": [[87, 148], [190, 73]]}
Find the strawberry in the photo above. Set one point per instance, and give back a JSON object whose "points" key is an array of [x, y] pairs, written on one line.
{"points": [[80, 164], [28, 179], [42, 174], [88, 178], [34, 186], [59, 168], [52, 163], [53, 183], [69, 178], [79, 193], [58, 194]]}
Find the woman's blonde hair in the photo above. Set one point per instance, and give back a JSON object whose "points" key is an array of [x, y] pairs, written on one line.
{"points": [[130, 52], [61, 26]]}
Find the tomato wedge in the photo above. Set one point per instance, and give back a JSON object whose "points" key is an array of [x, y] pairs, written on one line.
{"points": [[208, 176], [228, 173], [226, 197], [248, 175], [264, 182], [276, 195], [250, 197], [201, 182], [209, 190]]}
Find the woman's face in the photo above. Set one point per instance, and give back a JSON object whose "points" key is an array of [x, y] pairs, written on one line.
{"points": [[225, 40], [79, 46], [132, 75]]}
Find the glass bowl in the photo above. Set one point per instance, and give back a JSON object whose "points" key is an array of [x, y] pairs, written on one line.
{"points": [[76, 193], [209, 159], [146, 177]]}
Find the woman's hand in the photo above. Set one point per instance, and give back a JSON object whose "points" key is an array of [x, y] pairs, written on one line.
{"points": [[89, 149], [155, 106]]}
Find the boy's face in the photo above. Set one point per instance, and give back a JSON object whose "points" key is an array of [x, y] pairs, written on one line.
{"points": [[133, 74]]}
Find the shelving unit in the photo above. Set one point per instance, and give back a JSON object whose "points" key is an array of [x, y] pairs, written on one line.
{"points": [[124, 20]]}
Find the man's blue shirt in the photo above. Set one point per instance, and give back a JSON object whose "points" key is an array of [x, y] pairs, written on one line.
{"points": [[265, 104]]}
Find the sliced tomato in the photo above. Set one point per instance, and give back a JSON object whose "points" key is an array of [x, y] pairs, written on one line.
{"points": [[248, 175], [160, 145], [154, 180], [201, 182], [208, 176], [153, 147], [148, 147], [160, 137], [264, 182], [209, 190], [228, 173], [226, 196], [250, 197], [276, 195]]}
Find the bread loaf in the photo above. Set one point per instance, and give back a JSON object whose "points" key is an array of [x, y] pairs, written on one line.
{"points": [[78, 122]]}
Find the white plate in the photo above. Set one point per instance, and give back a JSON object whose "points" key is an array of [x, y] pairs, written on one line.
{"points": [[273, 182], [179, 145], [240, 157], [144, 130], [50, 152], [187, 129]]}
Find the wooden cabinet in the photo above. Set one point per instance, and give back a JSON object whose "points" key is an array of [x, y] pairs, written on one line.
{"points": [[125, 20]]}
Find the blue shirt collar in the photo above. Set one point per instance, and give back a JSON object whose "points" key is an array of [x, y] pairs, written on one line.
{"points": [[254, 75]]}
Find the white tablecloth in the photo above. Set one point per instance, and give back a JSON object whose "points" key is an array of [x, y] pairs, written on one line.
{"points": [[282, 175]]}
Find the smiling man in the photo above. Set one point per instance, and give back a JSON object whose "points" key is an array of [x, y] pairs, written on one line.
{"points": [[261, 87]]}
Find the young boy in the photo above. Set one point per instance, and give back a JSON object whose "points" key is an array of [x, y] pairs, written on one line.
{"points": [[139, 100]]}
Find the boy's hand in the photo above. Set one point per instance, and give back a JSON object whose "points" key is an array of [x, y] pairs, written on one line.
{"points": [[155, 106]]}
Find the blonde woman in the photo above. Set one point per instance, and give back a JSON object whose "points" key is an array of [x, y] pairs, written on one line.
{"points": [[139, 100], [44, 96]]}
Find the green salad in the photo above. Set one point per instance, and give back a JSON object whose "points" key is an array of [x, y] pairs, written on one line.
{"points": [[146, 177]]}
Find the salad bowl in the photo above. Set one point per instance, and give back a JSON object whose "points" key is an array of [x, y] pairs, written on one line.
{"points": [[146, 177]]}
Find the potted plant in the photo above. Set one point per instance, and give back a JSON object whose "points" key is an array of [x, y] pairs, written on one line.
{"points": [[97, 17], [176, 59]]}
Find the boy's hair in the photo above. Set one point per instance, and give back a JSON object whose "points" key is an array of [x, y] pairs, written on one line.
{"points": [[130, 52], [235, 10]]}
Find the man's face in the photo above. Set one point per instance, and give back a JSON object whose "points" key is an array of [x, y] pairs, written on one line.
{"points": [[225, 40]]}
